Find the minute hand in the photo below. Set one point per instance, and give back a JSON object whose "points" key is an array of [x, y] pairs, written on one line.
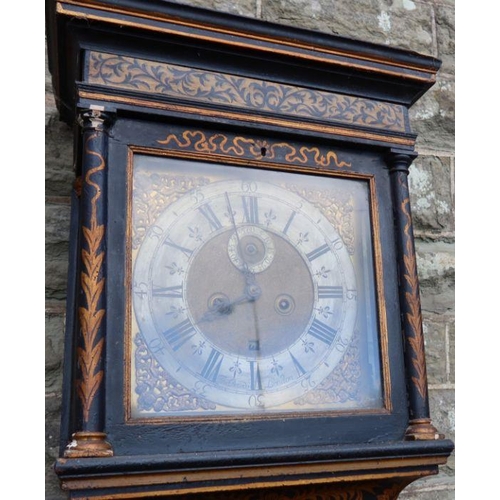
{"points": [[246, 271], [250, 281]]}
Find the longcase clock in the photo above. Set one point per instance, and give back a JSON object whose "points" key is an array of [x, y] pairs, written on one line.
{"points": [[243, 309]]}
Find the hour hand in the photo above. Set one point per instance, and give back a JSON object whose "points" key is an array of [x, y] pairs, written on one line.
{"points": [[222, 306]]}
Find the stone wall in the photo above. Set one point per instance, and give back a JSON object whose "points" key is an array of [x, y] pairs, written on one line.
{"points": [[426, 26]]}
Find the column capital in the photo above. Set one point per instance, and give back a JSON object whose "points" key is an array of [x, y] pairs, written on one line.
{"points": [[95, 117], [399, 160]]}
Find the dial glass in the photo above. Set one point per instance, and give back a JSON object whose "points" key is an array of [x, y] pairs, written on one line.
{"points": [[252, 292]]}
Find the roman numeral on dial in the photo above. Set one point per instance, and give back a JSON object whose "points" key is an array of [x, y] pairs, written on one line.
{"points": [[330, 292], [212, 366], [168, 291], [298, 366], [250, 209], [208, 213], [322, 332], [318, 252], [186, 251], [255, 380], [289, 223], [180, 334]]}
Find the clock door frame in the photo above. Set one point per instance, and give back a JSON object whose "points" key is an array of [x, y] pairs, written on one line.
{"points": [[388, 423]]}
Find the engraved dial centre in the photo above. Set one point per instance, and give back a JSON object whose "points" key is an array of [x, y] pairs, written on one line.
{"points": [[273, 310]]}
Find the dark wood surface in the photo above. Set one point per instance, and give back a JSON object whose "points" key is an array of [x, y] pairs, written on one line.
{"points": [[108, 59]]}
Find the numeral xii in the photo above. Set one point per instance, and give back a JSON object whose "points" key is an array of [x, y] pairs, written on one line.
{"points": [[250, 209]]}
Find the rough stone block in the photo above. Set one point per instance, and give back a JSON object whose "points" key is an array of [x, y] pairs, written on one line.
{"points": [[431, 194], [451, 339], [433, 116], [418, 492], [401, 23], [445, 34], [59, 175], [57, 217], [436, 271], [434, 327], [442, 408], [50, 102], [241, 7], [54, 348], [51, 113]]}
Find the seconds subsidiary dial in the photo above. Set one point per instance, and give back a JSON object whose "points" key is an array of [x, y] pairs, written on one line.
{"points": [[245, 294]]}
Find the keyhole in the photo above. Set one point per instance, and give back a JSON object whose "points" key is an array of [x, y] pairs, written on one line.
{"points": [[263, 151]]}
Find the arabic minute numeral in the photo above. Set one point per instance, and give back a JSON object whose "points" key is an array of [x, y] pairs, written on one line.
{"points": [[155, 232], [342, 345], [337, 243], [249, 186], [156, 346], [141, 289]]}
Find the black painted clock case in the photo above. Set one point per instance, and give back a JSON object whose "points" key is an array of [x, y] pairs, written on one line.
{"points": [[225, 89]]}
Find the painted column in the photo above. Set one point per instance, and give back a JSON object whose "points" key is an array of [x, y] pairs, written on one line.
{"points": [[420, 426], [90, 439]]}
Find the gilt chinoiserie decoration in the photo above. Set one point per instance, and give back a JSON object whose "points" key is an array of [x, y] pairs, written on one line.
{"points": [[243, 309], [247, 93]]}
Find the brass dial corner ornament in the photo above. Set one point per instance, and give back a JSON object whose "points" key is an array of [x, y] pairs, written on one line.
{"points": [[246, 296]]}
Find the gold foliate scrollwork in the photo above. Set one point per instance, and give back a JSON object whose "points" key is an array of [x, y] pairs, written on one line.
{"points": [[245, 93], [92, 282], [414, 317]]}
